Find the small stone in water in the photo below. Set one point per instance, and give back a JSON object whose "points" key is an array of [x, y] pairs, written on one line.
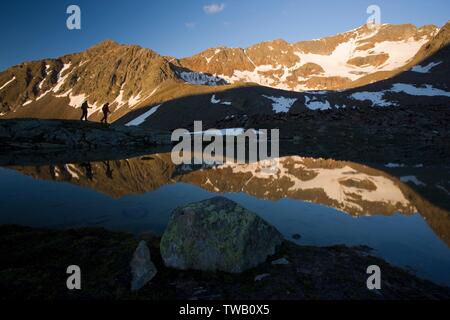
{"points": [[262, 276], [282, 261]]}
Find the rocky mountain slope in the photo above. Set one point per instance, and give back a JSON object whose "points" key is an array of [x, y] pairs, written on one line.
{"points": [[122, 75], [147, 89], [422, 82], [331, 63]]}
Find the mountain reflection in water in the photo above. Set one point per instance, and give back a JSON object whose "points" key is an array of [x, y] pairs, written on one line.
{"points": [[304, 195], [346, 186]]}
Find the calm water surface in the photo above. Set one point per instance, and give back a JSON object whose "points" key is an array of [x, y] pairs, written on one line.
{"points": [[327, 202]]}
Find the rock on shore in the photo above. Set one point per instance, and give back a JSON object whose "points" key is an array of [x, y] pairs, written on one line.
{"points": [[34, 262], [217, 235], [143, 269], [54, 134]]}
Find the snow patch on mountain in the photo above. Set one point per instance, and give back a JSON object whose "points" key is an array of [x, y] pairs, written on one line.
{"points": [[412, 179], [7, 83], [200, 78], [75, 100], [153, 92], [61, 78], [148, 96], [412, 90], [134, 100], [255, 76], [65, 67], [314, 104], [41, 84], [228, 132], [400, 52], [377, 98], [208, 59], [214, 100], [335, 64], [42, 95], [344, 62], [394, 165], [120, 98], [141, 119], [319, 92], [425, 69], [83, 63], [281, 104]]}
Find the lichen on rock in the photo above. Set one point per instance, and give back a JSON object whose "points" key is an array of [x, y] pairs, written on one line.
{"points": [[217, 235]]}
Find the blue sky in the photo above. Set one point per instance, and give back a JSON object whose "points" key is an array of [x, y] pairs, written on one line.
{"points": [[37, 29]]}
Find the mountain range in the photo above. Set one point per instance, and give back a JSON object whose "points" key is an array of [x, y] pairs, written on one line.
{"points": [[371, 66]]}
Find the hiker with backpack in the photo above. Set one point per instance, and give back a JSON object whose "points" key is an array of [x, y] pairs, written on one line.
{"points": [[84, 111], [105, 111]]}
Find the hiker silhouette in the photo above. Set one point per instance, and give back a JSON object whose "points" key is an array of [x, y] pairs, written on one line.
{"points": [[88, 170], [84, 111], [108, 170], [105, 111]]}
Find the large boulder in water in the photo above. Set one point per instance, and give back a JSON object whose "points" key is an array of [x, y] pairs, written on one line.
{"points": [[217, 235]]}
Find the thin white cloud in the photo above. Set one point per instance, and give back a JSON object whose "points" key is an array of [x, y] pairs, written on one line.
{"points": [[190, 25], [214, 8]]}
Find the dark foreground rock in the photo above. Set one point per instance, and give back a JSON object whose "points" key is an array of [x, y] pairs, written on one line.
{"points": [[34, 262], [143, 269], [66, 134], [217, 235]]}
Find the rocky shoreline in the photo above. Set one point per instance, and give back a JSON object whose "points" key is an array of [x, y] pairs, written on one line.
{"points": [[412, 135], [408, 134], [38, 134], [113, 263]]}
